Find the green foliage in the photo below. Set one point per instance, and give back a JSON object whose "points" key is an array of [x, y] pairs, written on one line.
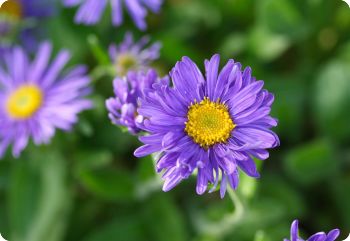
{"points": [[307, 163], [332, 98], [39, 201], [170, 223], [128, 228], [108, 184]]}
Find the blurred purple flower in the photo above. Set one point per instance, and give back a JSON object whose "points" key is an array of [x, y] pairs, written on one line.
{"points": [[131, 55], [19, 18], [320, 236], [123, 107], [36, 97], [215, 124], [37, 8], [90, 11]]}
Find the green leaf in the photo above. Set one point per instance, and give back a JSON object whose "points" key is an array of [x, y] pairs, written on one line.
{"points": [[266, 45], [290, 96], [281, 17], [233, 45], [39, 200], [278, 190], [123, 228], [108, 184], [332, 97], [146, 169], [341, 195], [168, 222], [174, 48], [5, 167], [312, 162], [92, 159]]}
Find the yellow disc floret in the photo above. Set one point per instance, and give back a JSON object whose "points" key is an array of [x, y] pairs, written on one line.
{"points": [[24, 102], [125, 62], [209, 123]]}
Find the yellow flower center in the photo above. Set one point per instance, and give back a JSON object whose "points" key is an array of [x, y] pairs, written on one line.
{"points": [[24, 102], [209, 123], [12, 8], [125, 62]]}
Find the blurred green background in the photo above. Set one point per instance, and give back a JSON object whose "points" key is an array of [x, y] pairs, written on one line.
{"points": [[87, 186]]}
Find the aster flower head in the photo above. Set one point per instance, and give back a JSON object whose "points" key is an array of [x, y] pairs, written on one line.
{"points": [[37, 97], [320, 236], [12, 24], [128, 89], [11, 13], [215, 124], [90, 11], [131, 55]]}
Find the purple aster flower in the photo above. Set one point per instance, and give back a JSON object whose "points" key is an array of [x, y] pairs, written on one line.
{"points": [[14, 16], [123, 107], [131, 55], [37, 97], [320, 236], [11, 13], [215, 124], [90, 11]]}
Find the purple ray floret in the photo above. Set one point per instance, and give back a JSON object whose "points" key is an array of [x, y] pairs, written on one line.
{"points": [[37, 97], [214, 124], [320, 236], [123, 107], [133, 55], [90, 11]]}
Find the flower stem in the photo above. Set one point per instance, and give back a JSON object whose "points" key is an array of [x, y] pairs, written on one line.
{"points": [[226, 224]]}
